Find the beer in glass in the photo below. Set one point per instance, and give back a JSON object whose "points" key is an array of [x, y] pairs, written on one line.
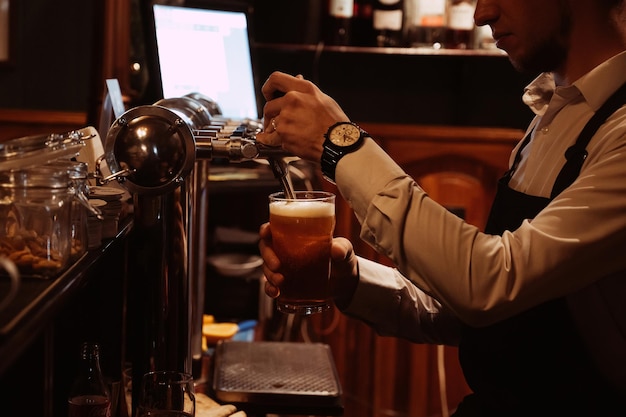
{"points": [[302, 231]]}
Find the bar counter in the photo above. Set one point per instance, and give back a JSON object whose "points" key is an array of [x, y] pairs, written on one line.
{"points": [[38, 300]]}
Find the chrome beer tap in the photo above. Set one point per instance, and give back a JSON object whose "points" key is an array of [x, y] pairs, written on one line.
{"points": [[160, 154]]}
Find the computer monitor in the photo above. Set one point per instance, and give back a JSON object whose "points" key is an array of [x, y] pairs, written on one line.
{"points": [[206, 49]]}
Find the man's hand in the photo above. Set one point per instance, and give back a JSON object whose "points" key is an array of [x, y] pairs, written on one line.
{"points": [[344, 275]]}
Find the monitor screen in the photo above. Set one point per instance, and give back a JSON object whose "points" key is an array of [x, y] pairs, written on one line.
{"points": [[206, 51]]}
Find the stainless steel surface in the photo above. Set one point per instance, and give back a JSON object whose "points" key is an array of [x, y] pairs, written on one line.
{"points": [[212, 106], [211, 145], [196, 115], [160, 153], [150, 150], [197, 230], [160, 286], [154, 145], [275, 377], [280, 168]]}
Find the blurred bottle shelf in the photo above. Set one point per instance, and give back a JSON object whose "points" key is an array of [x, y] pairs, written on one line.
{"points": [[420, 51]]}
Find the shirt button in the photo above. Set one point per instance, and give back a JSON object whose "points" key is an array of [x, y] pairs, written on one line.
{"points": [[545, 130]]}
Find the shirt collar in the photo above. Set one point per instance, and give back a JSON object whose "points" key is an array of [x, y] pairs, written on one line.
{"points": [[596, 86], [601, 82], [539, 92]]}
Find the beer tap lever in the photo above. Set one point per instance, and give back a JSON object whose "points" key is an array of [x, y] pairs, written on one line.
{"points": [[280, 168]]}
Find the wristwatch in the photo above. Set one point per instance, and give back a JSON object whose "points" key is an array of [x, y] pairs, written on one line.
{"points": [[341, 139]]}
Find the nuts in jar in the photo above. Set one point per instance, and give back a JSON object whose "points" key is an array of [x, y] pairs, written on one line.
{"points": [[35, 219]]}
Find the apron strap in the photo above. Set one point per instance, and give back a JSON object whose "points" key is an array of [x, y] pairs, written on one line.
{"points": [[577, 153], [518, 158]]}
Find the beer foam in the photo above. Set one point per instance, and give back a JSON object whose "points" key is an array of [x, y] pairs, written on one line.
{"points": [[302, 209]]}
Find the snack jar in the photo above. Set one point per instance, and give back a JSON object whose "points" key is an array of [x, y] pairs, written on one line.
{"points": [[35, 222], [80, 207]]}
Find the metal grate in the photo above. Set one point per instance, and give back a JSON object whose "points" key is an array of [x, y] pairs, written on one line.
{"points": [[276, 374]]}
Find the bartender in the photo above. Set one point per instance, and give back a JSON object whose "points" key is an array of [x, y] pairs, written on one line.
{"points": [[536, 301]]}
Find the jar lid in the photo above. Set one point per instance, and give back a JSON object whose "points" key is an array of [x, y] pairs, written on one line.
{"points": [[76, 170], [36, 177], [29, 151]]}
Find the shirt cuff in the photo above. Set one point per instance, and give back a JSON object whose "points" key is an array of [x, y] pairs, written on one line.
{"points": [[357, 182]]}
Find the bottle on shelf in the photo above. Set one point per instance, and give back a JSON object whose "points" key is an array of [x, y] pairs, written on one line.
{"points": [[388, 22], [460, 24], [89, 395], [483, 38], [362, 24], [427, 21], [339, 22]]}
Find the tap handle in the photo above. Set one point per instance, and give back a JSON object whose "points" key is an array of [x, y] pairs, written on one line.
{"points": [[280, 169]]}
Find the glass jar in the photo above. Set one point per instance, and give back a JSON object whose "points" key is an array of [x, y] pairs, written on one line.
{"points": [[35, 208], [79, 189]]}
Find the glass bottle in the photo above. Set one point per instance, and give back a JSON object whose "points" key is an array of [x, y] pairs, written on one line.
{"points": [[388, 22], [426, 23], [362, 24], [460, 24], [340, 16], [89, 395]]}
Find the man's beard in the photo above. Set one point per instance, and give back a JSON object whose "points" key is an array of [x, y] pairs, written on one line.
{"points": [[548, 54], [544, 58]]}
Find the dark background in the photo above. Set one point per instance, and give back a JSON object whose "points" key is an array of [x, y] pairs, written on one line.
{"points": [[56, 52]]}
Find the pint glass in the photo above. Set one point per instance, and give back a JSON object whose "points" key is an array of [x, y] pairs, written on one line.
{"points": [[302, 232]]}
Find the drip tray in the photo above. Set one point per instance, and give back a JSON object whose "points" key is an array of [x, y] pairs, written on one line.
{"points": [[277, 377]]}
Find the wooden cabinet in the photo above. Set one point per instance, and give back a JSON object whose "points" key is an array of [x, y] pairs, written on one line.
{"points": [[458, 167], [15, 123]]}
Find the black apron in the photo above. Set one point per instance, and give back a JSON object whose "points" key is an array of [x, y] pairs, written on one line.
{"points": [[535, 363]]}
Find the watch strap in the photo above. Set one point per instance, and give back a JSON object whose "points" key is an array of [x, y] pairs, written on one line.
{"points": [[330, 157]]}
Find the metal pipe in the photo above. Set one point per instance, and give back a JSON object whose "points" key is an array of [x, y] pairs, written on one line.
{"points": [[159, 286]]}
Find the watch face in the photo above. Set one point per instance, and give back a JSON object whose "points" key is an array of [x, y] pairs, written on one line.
{"points": [[344, 134]]}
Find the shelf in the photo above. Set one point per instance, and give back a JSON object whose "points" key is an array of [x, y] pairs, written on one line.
{"points": [[424, 86], [418, 51]]}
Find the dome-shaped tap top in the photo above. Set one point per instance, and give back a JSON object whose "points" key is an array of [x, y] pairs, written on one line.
{"points": [[153, 146]]}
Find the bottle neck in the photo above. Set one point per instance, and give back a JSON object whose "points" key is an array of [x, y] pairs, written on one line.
{"points": [[90, 355], [90, 380]]}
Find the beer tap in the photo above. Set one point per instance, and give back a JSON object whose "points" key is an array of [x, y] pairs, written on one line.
{"points": [[280, 169], [236, 148], [160, 154], [146, 139]]}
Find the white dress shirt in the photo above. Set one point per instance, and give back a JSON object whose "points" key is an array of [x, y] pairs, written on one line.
{"points": [[574, 248]]}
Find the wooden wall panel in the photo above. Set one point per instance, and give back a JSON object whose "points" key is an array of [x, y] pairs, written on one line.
{"points": [[15, 123]]}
